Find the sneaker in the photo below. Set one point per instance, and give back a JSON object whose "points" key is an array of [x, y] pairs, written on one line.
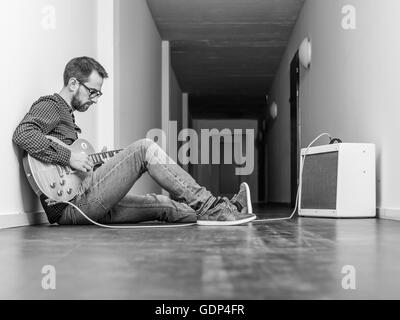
{"points": [[242, 199], [223, 213]]}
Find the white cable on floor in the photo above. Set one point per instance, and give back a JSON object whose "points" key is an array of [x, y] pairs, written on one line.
{"points": [[127, 227], [297, 204]]}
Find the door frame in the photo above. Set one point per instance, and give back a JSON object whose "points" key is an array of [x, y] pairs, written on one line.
{"points": [[294, 127]]}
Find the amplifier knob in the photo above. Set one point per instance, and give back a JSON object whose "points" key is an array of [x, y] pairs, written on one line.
{"points": [[59, 192]]}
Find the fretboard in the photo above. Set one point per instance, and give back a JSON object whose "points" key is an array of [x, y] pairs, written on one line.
{"points": [[99, 158]]}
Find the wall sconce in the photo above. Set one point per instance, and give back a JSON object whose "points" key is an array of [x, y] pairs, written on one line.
{"points": [[305, 53], [273, 110]]}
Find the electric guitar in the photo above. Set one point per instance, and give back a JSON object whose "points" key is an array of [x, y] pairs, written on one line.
{"points": [[57, 182]]}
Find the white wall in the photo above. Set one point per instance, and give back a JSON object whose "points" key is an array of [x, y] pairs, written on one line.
{"points": [[138, 78], [171, 99], [175, 108], [32, 61], [185, 118], [175, 112], [121, 34], [350, 91], [107, 29]]}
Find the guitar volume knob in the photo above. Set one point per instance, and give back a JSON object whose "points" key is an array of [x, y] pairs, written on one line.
{"points": [[69, 190], [52, 185], [59, 192], [62, 182]]}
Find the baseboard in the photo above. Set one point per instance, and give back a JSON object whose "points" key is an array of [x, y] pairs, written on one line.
{"points": [[14, 220], [388, 213]]}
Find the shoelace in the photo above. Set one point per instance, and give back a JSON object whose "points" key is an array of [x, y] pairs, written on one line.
{"points": [[236, 203], [219, 201], [231, 205]]}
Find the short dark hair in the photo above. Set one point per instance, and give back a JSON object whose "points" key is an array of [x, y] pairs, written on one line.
{"points": [[81, 68]]}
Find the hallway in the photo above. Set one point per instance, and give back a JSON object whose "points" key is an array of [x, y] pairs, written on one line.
{"points": [[261, 79]]}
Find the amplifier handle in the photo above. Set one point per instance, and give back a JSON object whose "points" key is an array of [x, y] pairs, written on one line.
{"points": [[333, 140]]}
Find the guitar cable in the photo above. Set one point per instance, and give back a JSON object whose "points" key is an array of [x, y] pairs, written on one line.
{"points": [[297, 203], [126, 227], [296, 206]]}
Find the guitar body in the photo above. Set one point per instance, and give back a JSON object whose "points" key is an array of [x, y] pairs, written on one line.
{"points": [[56, 182]]}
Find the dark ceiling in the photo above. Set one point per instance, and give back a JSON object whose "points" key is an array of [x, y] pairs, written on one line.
{"points": [[225, 47]]}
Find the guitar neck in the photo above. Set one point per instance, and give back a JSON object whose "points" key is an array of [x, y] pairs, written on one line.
{"points": [[98, 158]]}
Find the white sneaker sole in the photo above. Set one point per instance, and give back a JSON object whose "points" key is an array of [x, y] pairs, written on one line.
{"points": [[225, 223], [248, 198]]}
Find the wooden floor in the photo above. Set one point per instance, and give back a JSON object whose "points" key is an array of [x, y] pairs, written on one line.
{"points": [[298, 259]]}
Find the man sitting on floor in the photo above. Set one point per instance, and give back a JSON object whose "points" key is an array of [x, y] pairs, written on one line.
{"points": [[103, 195]]}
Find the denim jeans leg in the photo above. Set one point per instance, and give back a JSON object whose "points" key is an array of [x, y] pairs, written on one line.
{"points": [[149, 207], [113, 180], [91, 208], [110, 183], [173, 178]]}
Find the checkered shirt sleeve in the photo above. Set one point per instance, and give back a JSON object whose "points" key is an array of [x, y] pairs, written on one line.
{"points": [[30, 135]]}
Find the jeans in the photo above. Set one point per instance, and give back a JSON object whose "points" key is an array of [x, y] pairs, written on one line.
{"points": [[103, 195]]}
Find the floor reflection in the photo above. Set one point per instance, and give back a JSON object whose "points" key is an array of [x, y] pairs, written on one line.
{"points": [[298, 259]]}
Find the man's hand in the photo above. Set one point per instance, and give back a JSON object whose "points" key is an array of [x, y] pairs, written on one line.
{"points": [[80, 161], [104, 150]]}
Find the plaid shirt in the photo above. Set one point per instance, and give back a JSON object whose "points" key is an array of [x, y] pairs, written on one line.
{"points": [[50, 115]]}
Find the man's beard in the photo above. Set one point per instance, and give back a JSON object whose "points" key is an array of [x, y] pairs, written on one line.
{"points": [[75, 103]]}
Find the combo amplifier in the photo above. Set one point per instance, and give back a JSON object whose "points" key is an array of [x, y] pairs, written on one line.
{"points": [[338, 181]]}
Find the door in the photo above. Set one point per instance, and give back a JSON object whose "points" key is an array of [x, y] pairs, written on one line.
{"points": [[294, 127]]}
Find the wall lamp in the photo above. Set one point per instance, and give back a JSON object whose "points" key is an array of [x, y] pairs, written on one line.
{"points": [[305, 53], [273, 110]]}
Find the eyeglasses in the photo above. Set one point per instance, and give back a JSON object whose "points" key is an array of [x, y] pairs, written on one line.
{"points": [[93, 93]]}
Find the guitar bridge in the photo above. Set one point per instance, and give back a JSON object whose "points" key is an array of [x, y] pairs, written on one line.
{"points": [[51, 202]]}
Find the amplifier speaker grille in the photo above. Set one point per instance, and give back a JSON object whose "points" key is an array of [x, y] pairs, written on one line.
{"points": [[319, 185]]}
